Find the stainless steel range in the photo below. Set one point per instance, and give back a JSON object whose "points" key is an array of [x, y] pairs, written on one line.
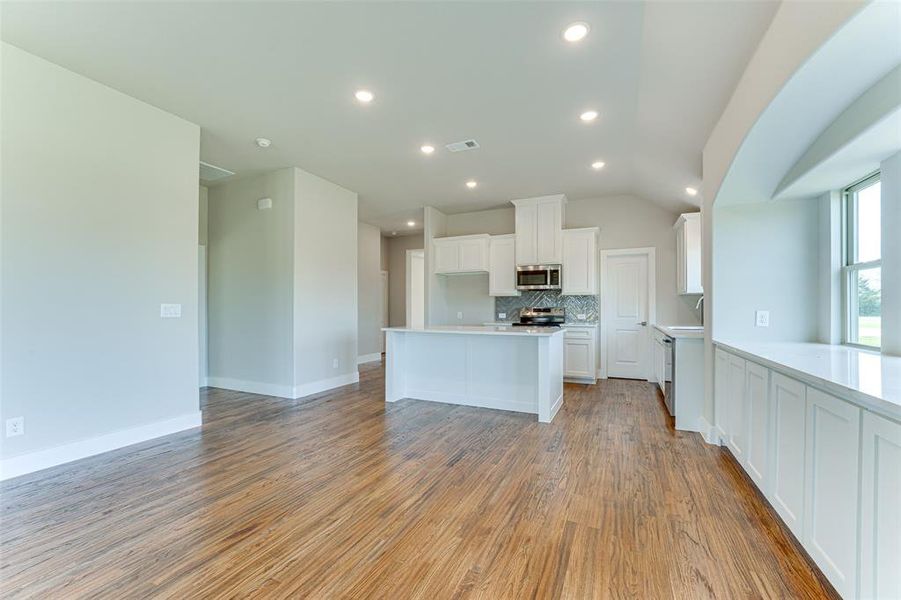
{"points": [[537, 316]]}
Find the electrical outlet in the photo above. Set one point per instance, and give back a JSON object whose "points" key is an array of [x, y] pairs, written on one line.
{"points": [[762, 318], [459, 316], [334, 363], [580, 316], [501, 315], [170, 311], [15, 426]]}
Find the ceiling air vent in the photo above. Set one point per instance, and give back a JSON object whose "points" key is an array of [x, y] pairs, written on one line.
{"points": [[464, 145], [210, 172]]}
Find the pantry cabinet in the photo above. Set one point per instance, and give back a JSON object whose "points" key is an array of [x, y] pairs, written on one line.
{"points": [[539, 230], [580, 261], [688, 254], [461, 254], [502, 266]]}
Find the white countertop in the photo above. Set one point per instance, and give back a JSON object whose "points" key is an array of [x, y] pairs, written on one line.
{"points": [[481, 330], [668, 330], [574, 324], [865, 377]]}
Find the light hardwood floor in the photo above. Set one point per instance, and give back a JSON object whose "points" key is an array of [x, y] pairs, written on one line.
{"points": [[341, 496]]}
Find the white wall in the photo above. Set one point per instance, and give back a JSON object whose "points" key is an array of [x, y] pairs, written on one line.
{"points": [[766, 258], [250, 286], [369, 289], [891, 255], [468, 295], [99, 226], [396, 262], [325, 281]]}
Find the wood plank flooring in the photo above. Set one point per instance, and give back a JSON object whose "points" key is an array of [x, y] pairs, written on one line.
{"points": [[341, 496]]}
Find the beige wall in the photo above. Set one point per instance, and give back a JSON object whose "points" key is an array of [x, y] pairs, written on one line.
{"points": [[100, 221], [497, 221], [397, 269], [250, 285], [369, 286], [204, 199], [325, 279]]}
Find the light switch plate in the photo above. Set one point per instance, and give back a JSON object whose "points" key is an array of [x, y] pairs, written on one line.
{"points": [[762, 318], [170, 311], [15, 426], [460, 316]]}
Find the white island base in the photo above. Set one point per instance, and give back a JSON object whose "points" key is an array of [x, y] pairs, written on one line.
{"points": [[505, 368]]}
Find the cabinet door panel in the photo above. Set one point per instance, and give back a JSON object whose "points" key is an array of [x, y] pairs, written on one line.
{"points": [[447, 258], [721, 392], [472, 256], [578, 358], [526, 235], [787, 426], [758, 414], [549, 244], [736, 434], [831, 494], [580, 263], [880, 509], [502, 267]]}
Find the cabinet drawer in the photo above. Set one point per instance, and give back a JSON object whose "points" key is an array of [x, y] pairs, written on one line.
{"points": [[575, 334]]}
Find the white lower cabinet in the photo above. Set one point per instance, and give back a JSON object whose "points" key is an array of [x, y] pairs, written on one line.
{"points": [[757, 412], [788, 407], [831, 488], [579, 345], [830, 469], [880, 508]]}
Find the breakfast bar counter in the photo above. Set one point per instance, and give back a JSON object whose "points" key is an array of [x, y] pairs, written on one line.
{"points": [[500, 367]]}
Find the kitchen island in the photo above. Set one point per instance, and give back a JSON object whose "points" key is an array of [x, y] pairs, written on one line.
{"points": [[501, 367]]}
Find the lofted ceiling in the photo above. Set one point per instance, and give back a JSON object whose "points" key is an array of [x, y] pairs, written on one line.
{"points": [[659, 74]]}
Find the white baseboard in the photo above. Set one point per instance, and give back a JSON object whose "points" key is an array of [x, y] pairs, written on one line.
{"points": [[708, 432], [314, 387], [368, 358], [251, 387], [44, 459]]}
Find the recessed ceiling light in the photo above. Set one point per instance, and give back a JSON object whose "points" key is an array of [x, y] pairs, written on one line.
{"points": [[589, 115], [263, 142], [393, 233], [691, 191], [598, 165], [427, 149], [364, 96], [471, 184], [575, 32], [411, 223]]}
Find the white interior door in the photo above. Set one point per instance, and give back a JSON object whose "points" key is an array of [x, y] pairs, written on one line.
{"points": [[415, 289], [384, 306], [626, 315]]}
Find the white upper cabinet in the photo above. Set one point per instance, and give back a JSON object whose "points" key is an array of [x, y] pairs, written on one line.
{"points": [[688, 254], [580, 263], [502, 266], [461, 254], [539, 230]]}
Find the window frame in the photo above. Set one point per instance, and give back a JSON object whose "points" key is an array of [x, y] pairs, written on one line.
{"points": [[850, 265]]}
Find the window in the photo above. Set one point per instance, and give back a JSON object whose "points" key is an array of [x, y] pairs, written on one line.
{"points": [[863, 263]]}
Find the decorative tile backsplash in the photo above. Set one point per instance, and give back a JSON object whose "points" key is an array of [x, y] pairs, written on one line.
{"points": [[574, 305]]}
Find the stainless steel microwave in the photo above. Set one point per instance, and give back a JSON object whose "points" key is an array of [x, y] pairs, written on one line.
{"points": [[538, 277]]}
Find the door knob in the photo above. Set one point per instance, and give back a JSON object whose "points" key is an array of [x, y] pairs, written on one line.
{"points": [[643, 323]]}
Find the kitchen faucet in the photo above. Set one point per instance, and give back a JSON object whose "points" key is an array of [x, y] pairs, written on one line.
{"points": [[700, 307]]}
